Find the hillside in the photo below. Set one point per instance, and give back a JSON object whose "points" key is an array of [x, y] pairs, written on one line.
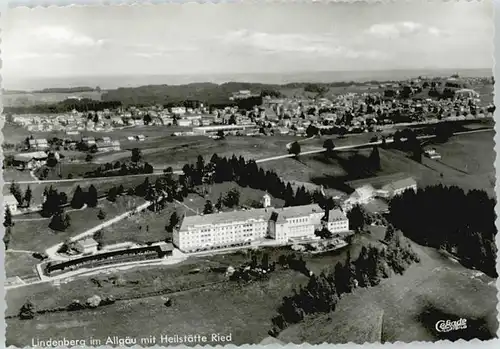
{"points": [[406, 307]]}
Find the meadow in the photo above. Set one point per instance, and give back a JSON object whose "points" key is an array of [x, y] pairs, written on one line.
{"points": [[35, 234]]}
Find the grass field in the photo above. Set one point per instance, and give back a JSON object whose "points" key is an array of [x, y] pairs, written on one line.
{"points": [[20, 264], [35, 235], [172, 151]]}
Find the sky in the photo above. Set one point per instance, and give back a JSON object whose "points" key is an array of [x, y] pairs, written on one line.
{"points": [[244, 38]]}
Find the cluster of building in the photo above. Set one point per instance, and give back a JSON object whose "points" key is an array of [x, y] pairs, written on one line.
{"points": [[383, 187], [283, 225]]}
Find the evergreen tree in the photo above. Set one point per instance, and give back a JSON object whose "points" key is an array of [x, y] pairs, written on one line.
{"points": [[28, 195], [60, 221], [16, 191], [112, 194], [8, 217], [174, 220], [78, 199], [92, 196], [7, 236]]}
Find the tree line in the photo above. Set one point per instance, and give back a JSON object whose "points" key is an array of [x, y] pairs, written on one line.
{"points": [[449, 218], [322, 292], [82, 105]]}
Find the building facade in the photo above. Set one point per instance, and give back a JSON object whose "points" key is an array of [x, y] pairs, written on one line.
{"points": [[237, 228]]}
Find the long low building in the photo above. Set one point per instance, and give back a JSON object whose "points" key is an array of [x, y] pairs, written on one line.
{"points": [[202, 130], [227, 229]]}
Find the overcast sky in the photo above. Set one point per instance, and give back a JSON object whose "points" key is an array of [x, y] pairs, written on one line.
{"points": [[234, 38]]}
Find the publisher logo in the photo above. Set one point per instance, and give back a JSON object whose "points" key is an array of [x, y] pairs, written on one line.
{"points": [[448, 326]]}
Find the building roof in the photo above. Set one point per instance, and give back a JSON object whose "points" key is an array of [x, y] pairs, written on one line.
{"points": [[400, 184], [298, 211], [226, 217], [89, 242], [336, 215], [29, 156], [165, 246], [10, 200], [378, 182]]}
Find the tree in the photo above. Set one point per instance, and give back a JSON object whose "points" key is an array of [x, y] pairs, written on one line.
{"points": [[78, 199], [174, 220], [209, 207], [357, 217], [27, 311], [136, 155], [148, 168], [101, 214], [8, 217], [15, 190], [232, 198], [112, 194], [295, 148], [60, 221], [218, 204], [28, 195], [329, 146], [7, 236], [374, 159], [390, 234], [147, 119], [220, 134], [89, 158], [92, 196]]}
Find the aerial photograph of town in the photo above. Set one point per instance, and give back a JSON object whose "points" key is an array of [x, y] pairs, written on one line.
{"points": [[249, 174]]}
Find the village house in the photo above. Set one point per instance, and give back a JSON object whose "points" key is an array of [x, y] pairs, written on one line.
{"points": [[87, 246], [11, 203], [30, 160], [38, 144]]}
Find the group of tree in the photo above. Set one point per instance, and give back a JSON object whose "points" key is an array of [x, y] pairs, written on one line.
{"points": [[81, 198], [322, 293], [22, 199], [53, 201], [82, 105], [121, 169], [460, 222], [114, 192]]}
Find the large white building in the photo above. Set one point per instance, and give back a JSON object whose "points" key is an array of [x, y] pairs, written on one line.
{"points": [[226, 229], [296, 222]]}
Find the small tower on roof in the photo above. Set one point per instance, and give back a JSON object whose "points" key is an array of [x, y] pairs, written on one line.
{"points": [[266, 200]]}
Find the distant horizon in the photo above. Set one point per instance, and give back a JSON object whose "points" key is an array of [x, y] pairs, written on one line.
{"points": [[113, 81]]}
